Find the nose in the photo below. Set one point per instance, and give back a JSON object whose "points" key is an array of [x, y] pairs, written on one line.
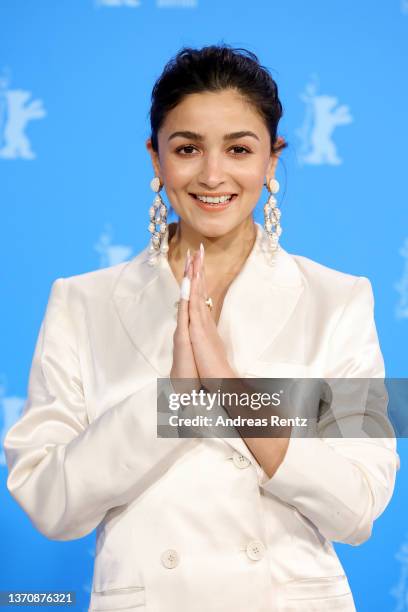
{"points": [[211, 172]]}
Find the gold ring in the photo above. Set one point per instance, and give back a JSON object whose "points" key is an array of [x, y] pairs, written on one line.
{"points": [[209, 303]]}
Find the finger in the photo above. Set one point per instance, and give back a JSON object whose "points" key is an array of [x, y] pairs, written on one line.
{"points": [[185, 283], [195, 284], [202, 288], [185, 289], [203, 284]]}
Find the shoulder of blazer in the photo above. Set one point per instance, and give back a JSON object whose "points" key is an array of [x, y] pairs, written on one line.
{"points": [[326, 283], [103, 281], [315, 271]]}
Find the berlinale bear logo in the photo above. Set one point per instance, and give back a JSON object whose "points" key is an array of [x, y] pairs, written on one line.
{"points": [[323, 115], [15, 112]]}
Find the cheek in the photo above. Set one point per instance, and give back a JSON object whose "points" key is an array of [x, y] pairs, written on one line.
{"points": [[252, 177], [176, 173]]}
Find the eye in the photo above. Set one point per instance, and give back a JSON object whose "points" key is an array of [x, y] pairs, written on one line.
{"points": [[242, 149], [188, 150], [185, 147]]}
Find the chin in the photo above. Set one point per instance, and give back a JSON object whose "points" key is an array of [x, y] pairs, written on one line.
{"points": [[214, 228]]}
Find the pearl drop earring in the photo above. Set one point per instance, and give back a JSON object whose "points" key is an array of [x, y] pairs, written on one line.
{"points": [[272, 216], [158, 224]]}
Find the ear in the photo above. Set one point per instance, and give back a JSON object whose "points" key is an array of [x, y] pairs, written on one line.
{"points": [[155, 158], [273, 161]]}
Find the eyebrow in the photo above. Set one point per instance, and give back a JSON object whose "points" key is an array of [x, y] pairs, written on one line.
{"points": [[195, 136]]}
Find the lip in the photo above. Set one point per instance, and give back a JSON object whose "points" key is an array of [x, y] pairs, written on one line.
{"points": [[214, 207], [212, 194]]}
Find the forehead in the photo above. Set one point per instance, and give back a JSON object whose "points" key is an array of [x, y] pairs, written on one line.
{"points": [[221, 111]]}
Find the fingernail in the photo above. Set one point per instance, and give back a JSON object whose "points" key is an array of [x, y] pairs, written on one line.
{"points": [[185, 288], [202, 252]]}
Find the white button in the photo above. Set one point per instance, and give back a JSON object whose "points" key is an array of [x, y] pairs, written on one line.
{"points": [[170, 558], [255, 550], [240, 461]]}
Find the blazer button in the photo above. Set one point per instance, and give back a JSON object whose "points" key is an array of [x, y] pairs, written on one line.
{"points": [[255, 550], [240, 461], [170, 558]]}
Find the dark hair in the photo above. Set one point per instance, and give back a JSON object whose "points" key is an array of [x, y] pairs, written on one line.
{"points": [[216, 68]]}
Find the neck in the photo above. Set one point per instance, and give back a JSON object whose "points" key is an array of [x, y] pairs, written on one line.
{"points": [[223, 254]]}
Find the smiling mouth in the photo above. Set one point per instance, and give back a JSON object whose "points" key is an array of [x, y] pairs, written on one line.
{"points": [[210, 205]]}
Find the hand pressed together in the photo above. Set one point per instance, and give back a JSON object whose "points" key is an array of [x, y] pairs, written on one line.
{"points": [[199, 351]]}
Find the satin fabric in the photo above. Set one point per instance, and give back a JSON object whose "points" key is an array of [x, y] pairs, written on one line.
{"points": [[85, 454]]}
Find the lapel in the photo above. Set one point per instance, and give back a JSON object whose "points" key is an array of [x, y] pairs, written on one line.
{"points": [[258, 304]]}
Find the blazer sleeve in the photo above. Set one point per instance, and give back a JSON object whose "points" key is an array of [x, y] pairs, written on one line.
{"points": [[343, 484], [64, 471]]}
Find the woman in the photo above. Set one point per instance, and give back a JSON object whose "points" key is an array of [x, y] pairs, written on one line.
{"points": [[220, 524]]}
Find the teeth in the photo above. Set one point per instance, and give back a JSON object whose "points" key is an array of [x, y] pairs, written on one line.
{"points": [[210, 200]]}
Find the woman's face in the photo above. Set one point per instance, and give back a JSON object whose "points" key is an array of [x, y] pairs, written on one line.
{"points": [[213, 144]]}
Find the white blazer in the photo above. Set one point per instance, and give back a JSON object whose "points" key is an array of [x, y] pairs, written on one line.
{"points": [[195, 525]]}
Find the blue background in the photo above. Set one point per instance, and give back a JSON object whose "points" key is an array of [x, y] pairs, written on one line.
{"points": [[87, 192]]}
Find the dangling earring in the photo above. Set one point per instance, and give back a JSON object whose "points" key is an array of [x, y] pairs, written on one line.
{"points": [[158, 224], [272, 215]]}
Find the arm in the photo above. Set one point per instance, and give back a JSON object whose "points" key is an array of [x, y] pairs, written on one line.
{"points": [[343, 484], [65, 472]]}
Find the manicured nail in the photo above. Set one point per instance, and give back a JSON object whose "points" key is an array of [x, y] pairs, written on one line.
{"points": [[202, 252], [185, 288]]}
